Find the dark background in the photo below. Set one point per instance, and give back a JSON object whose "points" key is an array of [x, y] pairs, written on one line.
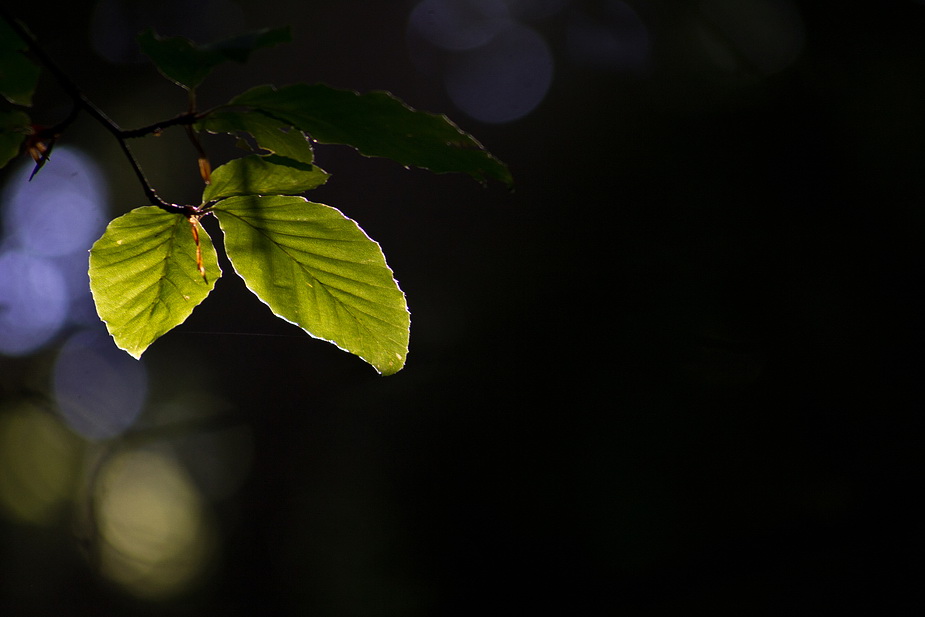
{"points": [[676, 369]]}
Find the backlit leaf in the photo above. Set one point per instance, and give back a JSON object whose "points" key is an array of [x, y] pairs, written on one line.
{"points": [[316, 268], [377, 124], [145, 278], [263, 175]]}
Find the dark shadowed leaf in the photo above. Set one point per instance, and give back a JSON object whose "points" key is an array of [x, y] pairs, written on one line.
{"points": [[377, 124], [269, 133], [18, 75], [188, 63], [9, 40]]}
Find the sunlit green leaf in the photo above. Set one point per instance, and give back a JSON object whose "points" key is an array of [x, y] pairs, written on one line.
{"points": [[188, 63], [269, 133], [14, 126], [263, 175], [377, 124], [145, 278], [316, 268]]}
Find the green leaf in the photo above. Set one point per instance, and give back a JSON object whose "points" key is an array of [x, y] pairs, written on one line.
{"points": [[145, 278], [18, 75], [187, 63], [269, 133], [377, 124], [9, 40], [14, 126], [263, 175], [316, 268]]}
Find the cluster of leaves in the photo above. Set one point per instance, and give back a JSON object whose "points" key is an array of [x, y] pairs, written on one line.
{"points": [[309, 263]]}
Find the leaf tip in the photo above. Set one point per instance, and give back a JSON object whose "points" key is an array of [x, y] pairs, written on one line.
{"points": [[133, 350], [390, 367]]}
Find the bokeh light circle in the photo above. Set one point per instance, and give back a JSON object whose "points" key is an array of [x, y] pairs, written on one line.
{"points": [[49, 224], [33, 302], [100, 389], [616, 38], [458, 25], [59, 211], [503, 80]]}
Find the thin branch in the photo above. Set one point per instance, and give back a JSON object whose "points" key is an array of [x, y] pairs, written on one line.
{"points": [[145, 185], [205, 167], [82, 102], [184, 119]]}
